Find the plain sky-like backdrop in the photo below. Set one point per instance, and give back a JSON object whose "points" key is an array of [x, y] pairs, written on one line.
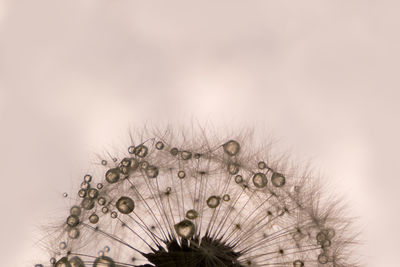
{"points": [[321, 76]]}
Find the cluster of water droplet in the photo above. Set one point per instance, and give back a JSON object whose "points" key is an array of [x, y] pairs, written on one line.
{"points": [[158, 193]]}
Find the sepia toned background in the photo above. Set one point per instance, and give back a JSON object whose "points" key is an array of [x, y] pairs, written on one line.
{"points": [[321, 76]]}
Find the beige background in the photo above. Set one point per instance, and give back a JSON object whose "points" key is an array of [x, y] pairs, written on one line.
{"points": [[323, 76]]}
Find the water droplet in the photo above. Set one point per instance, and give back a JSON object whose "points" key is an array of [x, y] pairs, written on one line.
{"points": [[94, 218], [76, 262], [75, 210], [278, 179], [260, 180], [298, 263], [99, 186], [101, 201], [82, 193], [104, 210], [181, 174], [85, 185], [87, 178], [231, 147], [103, 261], [63, 262], [192, 214], [131, 149], [87, 203], [323, 258], [125, 205], [185, 155], [112, 175], [93, 193], [185, 229], [213, 202], [174, 151], [106, 248], [233, 168], [73, 233], [63, 245], [262, 165], [65, 194], [226, 197], [72, 220], [141, 151], [104, 162], [238, 179], [152, 172], [159, 145], [114, 215], [52, 260]]}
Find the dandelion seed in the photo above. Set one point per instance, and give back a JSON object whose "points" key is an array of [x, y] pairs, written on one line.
{"points": [[205, 204]]}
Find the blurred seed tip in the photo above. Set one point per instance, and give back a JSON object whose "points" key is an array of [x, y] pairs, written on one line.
{"points": [[182, 198]]}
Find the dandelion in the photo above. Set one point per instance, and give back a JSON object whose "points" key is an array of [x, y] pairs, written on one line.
{"points": [[178, 202]]}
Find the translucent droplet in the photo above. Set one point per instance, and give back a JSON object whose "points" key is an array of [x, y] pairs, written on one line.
{"points": [[131, 149], [181, 174], [104, 162], [185, 155], [73, 233], [233, 168], [72, 220], [99, 186], [112, 175], [152, 172], [63, 262], [115, 159], [330, 233], [87, 203], [197, 155], [213, 202], [231, 147], [93, 193], [298, 263], [52, 260], [262, 165], [185, 229], [174, 151], [87, 178], [141, 151], [94, 218], [320, 237], [103, 261], [192, 214], [65, 194], [100, 253], [104, 210], [62, 245], [323, 258], [260, 180], [159, 145], [82, 193], [238, 179], [125, 205], [76, 262], [278, 179], [101, 201], [107, 249], [114, 215], [75, 210], [226, 197]]}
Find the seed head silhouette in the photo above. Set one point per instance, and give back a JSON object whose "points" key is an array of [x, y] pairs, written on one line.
{"points": [[180, 201]]}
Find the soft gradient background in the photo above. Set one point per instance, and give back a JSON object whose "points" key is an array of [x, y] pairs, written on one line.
{"points": [[322, 76]]}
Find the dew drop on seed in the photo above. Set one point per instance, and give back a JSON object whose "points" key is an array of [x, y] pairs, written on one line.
{"points": [[213, 202], [322, 258], [62, 245], [100, 253], [131, 149], [94, 218], [73, 233], [104, 210], [63, 262], [106, 248], [72, 220], [326, 243], [260, 180], [87, 203], [75, 210], [181, 174], [278, 179], [298, 263], [231, 147], [85, 185], [185, 155], [159, 145], [65, 194], [112, 175], [125, 205], [104, 162], [87, 178], [82, 193], [103, 261], [99, 186], [76, 262], [185, 229], [101, 201], [52, 260], [192, 214], [114, 215], [93, 193], [152, 172], [262, 165], [174, 151], [233, 168], [226, 197], [321, 237], [141, 151], [238, 179], [330, 233]]}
